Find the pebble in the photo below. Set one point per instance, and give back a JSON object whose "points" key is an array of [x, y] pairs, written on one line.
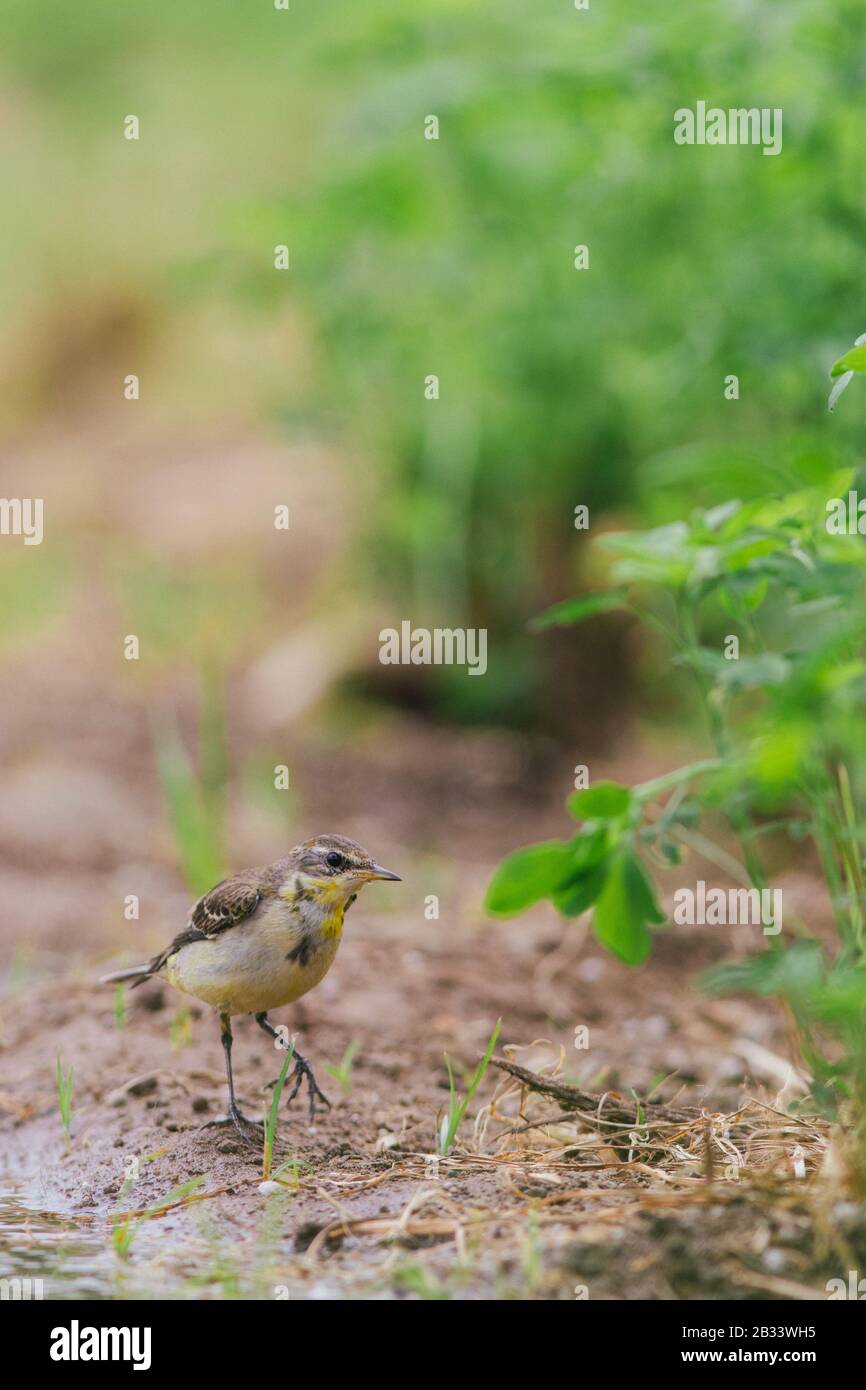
{"points": [[774, 1259], [144, 1087]]}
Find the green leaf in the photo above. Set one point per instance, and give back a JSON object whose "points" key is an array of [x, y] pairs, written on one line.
{"points": [[794, 973], [582, 891], [853, 361], [643, 892], [576, 610], [739, 555], [716, 517], [737, 597], [738, 976], [843, 998], [621, 913], [588, 848], [665, 555], [526, 876], [776, 758], [604, 801], [752, 672]]}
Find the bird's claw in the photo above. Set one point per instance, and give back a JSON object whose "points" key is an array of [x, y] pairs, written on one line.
{"points": [[241, 1124], [302, 1070]]}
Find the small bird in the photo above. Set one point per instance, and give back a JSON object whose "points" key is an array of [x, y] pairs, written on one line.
{"points": [[263, 938]]}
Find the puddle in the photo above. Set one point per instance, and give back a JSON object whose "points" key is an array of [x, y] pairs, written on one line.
{"points": [[180, 1256], [71, 1260], [74, 1259]]}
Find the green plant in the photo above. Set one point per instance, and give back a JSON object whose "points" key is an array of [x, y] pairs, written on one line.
{"points": [[119, 1007], [842, 373], [126, 1225], [196, 792], [343, 1072], [783, 717], [122, 1236], [453, 1118], [295, 1164], [412, 1277], [64, 1099], [388, 226], [272, 1112]]}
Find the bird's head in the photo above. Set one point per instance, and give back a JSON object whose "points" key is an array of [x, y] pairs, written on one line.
{"points": [[334, 868]]}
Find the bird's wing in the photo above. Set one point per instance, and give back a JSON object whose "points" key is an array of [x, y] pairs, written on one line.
{"points": [[225, 905], [230, 902]]}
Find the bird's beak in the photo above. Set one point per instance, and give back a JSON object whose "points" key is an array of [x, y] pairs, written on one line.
{"points": [[376, 871]]}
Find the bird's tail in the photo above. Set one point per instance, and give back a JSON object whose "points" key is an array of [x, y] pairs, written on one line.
{"points": [[135, 972]]}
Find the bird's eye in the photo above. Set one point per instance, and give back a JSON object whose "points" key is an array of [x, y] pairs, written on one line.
{"points": [[334, 859]]}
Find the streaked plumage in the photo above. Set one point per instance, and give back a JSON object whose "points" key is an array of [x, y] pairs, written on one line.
{"points": [[265, 936]]}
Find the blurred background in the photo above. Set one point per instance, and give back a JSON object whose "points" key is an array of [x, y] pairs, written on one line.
{"points": [[305, 388]]}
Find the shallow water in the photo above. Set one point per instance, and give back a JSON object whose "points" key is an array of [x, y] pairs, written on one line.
{"points": [[77, 1259], [189, 1255], [70, 1259]]}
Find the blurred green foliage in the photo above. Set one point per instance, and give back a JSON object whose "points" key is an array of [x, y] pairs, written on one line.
{"points": [[455, 256], [33, 592], [558, 386], [196, 789], [201, 613], [784, 579]]}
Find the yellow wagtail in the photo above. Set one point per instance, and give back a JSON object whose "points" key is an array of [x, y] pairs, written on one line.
{"points": [[262, 939]]}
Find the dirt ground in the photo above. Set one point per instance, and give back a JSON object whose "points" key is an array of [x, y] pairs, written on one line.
{"points": [[529, 1204], [512, 1214]]}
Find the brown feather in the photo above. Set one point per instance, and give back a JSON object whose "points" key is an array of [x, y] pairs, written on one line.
{"points": [[230, 902]]}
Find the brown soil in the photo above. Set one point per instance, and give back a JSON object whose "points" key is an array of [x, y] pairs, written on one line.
{"points": [[408, 990], [513, 1212]]}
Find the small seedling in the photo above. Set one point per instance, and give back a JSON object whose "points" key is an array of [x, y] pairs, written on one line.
{"points": [[64, 1100], [122, 1237], [296, 1164], [127, 1226], [272, 1112], [343, 1072], [19, 971], [417, 1280], [119, 1007], [457, 1108]]}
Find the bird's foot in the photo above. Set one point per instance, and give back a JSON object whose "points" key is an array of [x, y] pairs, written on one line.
{"points": [[302, 1070], [251, 1131]]}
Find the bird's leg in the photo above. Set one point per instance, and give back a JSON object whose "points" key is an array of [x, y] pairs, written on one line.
{"points": [[302, 1069], [234, 1116], [265, 1024]]}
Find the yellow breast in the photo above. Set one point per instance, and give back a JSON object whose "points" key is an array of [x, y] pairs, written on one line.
{"points": [[275, 957]]}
